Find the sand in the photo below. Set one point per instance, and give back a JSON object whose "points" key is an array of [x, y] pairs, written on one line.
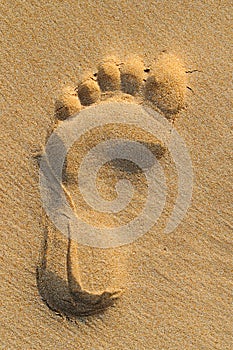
{"points": [[177, 287]]}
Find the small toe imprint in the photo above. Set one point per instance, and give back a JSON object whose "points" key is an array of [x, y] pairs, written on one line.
{"points": [[108, 75], [89, 92], [132, 74]]}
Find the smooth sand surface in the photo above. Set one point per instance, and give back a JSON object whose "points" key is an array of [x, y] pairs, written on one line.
{"points": [[177, 286]]}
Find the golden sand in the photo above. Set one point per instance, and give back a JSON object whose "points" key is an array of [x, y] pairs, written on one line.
{"points": [[177, 287]]}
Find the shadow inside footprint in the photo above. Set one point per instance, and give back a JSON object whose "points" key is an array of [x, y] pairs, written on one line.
{"points": [[129, 85], [128, 166], [55, 293], [61, 111], [67, 103]]}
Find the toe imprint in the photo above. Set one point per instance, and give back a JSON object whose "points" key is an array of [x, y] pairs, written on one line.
{"points": [[129, 81], [132, 74], [108, 75], [166, 85], [68, 103], [89, 92]]}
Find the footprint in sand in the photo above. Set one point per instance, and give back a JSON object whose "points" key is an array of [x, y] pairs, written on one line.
{"points": [[75, 279]]}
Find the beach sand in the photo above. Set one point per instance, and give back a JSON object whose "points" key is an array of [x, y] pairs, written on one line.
{"points": [[177, 286]]}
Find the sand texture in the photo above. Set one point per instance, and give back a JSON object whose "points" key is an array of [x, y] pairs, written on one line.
{"points": [[163, 291]]}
